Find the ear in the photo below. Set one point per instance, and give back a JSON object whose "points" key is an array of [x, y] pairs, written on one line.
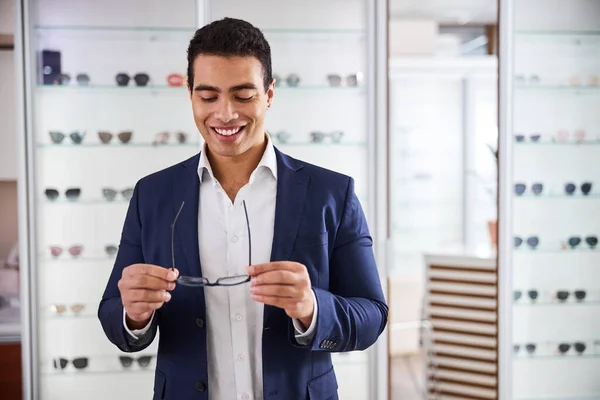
{"points": [[270, 93]]}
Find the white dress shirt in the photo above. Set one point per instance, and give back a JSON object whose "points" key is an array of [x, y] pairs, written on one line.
{"points": [[234, 321]]}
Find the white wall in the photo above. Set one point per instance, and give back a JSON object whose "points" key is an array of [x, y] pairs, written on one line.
{"points": [[8, 139]]}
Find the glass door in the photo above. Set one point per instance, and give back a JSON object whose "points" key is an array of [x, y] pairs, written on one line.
{"points": [[106, 105], [320, 111], [550, 207]]}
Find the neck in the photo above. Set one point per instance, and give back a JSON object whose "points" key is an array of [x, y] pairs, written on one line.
{"points": [[237, 169]]}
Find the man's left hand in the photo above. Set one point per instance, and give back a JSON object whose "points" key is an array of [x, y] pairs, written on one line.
{"points": [[284, 284]]}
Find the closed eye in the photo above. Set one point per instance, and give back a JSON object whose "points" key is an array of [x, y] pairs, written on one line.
{"points": [[208, 100], [245, 98]]}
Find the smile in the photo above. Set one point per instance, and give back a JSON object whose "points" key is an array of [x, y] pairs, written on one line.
{"points": [[229, 131]]}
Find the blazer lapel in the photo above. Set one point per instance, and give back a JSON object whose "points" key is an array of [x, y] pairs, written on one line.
{"points": [[186, 188], [292, 185]]}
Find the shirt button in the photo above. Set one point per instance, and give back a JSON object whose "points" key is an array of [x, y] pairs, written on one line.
{"points": [[241, 357], [200, 322], [200, 387], [238, 317], [234, 238]]}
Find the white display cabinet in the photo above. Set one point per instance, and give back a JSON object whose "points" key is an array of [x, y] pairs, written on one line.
{"points": [[549, 202]]}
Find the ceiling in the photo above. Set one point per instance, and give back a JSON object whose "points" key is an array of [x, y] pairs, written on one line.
{"points": [[449, 12]]}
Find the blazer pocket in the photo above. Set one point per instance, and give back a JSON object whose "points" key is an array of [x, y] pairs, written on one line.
{"points": [[160, 383], [306, 242], [323, 387]]}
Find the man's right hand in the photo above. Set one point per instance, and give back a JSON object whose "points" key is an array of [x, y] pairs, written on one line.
{"points": [[145, 288]]}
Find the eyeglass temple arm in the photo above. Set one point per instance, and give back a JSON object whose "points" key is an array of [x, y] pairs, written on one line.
{"points": [[173, 236], [249, 237]]}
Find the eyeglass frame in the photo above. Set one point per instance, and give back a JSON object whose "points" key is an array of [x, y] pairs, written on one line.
{"points": [[200, 281]]}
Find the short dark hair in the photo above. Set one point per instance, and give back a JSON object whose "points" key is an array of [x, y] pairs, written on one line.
{"points": [[230, 37]]}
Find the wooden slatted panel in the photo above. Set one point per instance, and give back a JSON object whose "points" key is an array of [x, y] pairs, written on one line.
{"points": [[461, 304]]}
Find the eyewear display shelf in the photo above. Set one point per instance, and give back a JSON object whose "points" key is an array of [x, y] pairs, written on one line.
{"points": [[552, 248]]}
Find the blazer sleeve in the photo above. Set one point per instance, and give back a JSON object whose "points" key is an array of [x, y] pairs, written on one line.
{"points": [[110, 311], [353, 313]]}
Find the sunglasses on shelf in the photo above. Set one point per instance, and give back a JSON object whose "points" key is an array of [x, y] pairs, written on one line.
{"points": [[522, 78], [536, 188], [529, 347], [575, 241], [106, 137], [78, 363], [282, 136], [570, 188], [74, 250], [335, 80], [563, 295], [82, 79], [127, 361], [579, 347], [140, 79], [76, 137], [163, 137], [319, 137], [175, 79], [292, 80], [532, 294], [110, 194], [61, 309], [532, 241], [111, 250], [534, 137], [70, 194]]}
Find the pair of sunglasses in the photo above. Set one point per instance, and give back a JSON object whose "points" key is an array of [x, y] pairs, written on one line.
{"points": [[532, 294], [563, 295], [533, 78], [106, 137], [110, 194], [575, 241], [175, 79], [111, 250], [163, 137], [282, 136], [564, 135], [127, 361], [58, 137], [71, 194], [78, 363], [577, 80], [529, 347], [74, 250], [199, 281], [579, 347], [140, 79], [292, 80], [82, 79], [536, 188], [335, 80], [532, 241], [571, 188], [318, 137], [534, 137], [61, 309]]}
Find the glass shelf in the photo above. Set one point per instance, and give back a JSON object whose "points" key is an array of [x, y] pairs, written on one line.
{"points": [[147, 371], [61, 260], [557, 196], [86, 202], [115, 146], [166, 89], [557, 357], [72, 317], [559, 143], [315, 31], [557, 33], [556, 251], [115, 28], [528, 303], [559, 88]]}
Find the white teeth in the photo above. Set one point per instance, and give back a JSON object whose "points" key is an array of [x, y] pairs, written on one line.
{"points": [[228, 132]]}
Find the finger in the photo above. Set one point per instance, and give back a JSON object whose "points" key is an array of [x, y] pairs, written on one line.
{"points": [[136, 310], [150, 269], [145, 295], [284, 291], [273, 266], [147, 282], [280, 302], [279, 277]]}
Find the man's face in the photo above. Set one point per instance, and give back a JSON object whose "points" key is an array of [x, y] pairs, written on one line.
{"points": [[229, 103]]}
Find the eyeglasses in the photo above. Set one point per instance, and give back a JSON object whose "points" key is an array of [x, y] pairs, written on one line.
{"points": [[127, 361], [79, 363], [586, 188], [111, 194], [536, 188], [335, 80], [111, 250], [140, 79], [563, 295], [70, 194], [175, 79], [579, 347], [163, 138], [282, 136], [58, 137], [575, 241], [61, 309], [74, 250], [532, 241], [199, 281], [318, 137], [106, 137], [529, 347], [534, 137]]}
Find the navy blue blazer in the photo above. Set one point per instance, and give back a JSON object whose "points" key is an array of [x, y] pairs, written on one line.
{"points": [[318, 222]]}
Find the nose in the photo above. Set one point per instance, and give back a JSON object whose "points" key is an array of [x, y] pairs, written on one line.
{"points": [[225, 111]]}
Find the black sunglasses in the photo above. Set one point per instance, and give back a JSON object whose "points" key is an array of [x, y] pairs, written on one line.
{"points": [[570, 188], [536, 188], [532, 241], [563, 295], [575, 241], [199, 281], [127, 361], [79, 363]]}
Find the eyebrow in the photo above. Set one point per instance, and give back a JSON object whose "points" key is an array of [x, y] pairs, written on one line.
{"points": [[232, 89]]}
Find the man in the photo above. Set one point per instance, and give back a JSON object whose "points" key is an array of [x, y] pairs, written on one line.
{"points": [[242, 207]]}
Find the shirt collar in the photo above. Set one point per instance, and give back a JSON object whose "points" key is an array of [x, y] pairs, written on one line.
{"points": [[268, 161]]}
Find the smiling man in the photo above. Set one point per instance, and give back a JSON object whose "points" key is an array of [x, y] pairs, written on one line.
{"points": [[254, 266]]}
